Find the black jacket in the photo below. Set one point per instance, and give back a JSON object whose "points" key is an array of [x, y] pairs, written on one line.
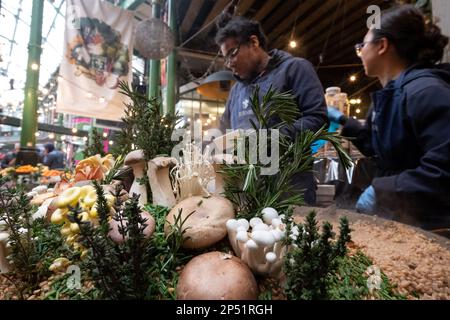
{"points": [[408, 133]]}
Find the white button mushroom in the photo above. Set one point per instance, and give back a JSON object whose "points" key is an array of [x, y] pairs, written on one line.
{"points": [[269, 214]]}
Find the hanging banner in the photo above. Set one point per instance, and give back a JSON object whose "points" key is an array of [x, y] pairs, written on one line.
{"points": [[98, 46]]}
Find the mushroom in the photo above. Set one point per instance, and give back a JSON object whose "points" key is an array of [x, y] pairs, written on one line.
{"points": [[216, 276], [207, 223], [119, 238], [158, 176], [4, 264], [261, 248], [237, 234], [135, 159]]}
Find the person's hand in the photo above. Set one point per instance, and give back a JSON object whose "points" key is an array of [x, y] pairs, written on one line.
{"points": [[367, 201], [334, 115]]}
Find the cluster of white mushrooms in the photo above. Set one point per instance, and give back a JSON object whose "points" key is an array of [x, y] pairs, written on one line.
{"points": [[259, 242], [192, 174]]}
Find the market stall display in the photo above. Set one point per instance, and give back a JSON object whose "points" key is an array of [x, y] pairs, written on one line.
{"points": [[170, 235]]}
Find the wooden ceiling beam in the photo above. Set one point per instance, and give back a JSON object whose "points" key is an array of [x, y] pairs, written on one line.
{"points": [[216, 10], [352, 25], [306, 25], [350, 14], [191, 15], [244, 6], [278, 17], [289, 21], [265, 10]]}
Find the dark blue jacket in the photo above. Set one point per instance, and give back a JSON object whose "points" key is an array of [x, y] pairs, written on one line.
{"points": [[408, 133], [54, 160], [283, 73]]}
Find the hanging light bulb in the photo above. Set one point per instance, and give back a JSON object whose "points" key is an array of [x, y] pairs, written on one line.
{"points": [[105, 134], [111, 142], [74, 130], [34, 66], [51, 136], [293, 44], [353, 78]]}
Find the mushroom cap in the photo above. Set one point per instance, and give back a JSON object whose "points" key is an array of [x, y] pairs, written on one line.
{"points": [[162, 162], [216, 276], [134, 157], [207, 225], [4, 236], [117, 237]]}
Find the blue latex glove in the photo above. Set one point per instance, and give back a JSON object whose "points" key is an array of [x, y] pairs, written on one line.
{"points": [[334, 114], [367, 201], [334, 126]]}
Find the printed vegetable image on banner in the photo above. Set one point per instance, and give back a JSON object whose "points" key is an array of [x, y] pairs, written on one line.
{"points": [[97, 55]]}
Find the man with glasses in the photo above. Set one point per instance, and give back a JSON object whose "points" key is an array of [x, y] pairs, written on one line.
{"points": [[243, 46]]}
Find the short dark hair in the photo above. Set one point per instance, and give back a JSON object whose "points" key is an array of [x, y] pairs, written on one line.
{"points": [[49, 147], [415, 39], [240, 28]]}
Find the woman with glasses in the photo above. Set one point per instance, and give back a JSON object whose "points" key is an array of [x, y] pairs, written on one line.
{"points": [[408, 127], [243, 46]]}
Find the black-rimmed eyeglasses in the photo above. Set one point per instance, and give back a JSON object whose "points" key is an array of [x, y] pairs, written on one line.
{"points": [[231, 54], [360, 46]]}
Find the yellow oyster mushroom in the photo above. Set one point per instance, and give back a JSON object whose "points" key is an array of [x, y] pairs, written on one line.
{"points": [[90, 198], [71, 239], [85, 190], [93, 213], [69, 197], [59, 263], [84, 254], [110, 199], [58, 216], [65, 231], [84, 216], [74, 228]]}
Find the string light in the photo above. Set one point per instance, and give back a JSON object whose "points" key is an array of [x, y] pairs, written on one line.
{"points": [[34, 66], [74, 130], [85, 139], [111, 142], [51, 136], [358, 110], [105, 134], [37, 134], [293, 44]]}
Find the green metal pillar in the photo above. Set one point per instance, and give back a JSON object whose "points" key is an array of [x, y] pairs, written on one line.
{"points": [[172, 63], [155, 65], [29, 118]]}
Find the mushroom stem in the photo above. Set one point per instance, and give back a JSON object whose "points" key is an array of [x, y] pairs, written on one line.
{"points": [[158, 176], [4, 264], [136, 160], [219, 187], [232, 225], [137, 187], [275, 270]]}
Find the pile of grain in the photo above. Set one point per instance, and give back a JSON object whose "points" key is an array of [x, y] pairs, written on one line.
{"points": [[417, 264]]}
